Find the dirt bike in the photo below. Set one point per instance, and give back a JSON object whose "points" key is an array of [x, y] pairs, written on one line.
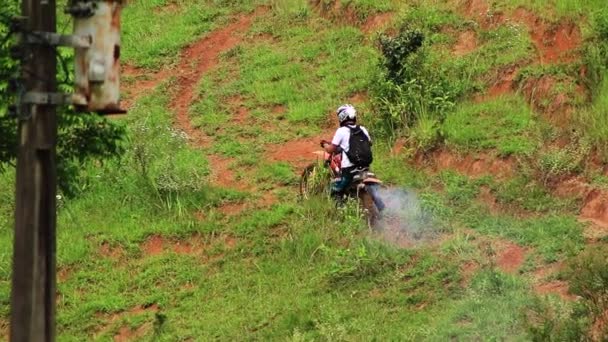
{"points": [[317, 178]]}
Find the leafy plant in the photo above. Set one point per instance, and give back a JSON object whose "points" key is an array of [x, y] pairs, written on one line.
{"points": [[399, 53], [553, 163]]}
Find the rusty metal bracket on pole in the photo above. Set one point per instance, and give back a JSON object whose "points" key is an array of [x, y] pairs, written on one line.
{"points": [[40, 98], [55, 39]]}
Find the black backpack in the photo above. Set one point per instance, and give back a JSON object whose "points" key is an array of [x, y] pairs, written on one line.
{"points": [[360, 148]]}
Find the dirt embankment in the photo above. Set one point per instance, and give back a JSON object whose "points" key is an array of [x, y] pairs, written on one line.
{"points": [[554, 43]]}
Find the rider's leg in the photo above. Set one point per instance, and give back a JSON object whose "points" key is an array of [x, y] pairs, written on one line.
{"points": [[338, 187]]}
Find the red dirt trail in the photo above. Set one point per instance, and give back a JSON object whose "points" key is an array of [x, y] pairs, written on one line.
{"points": [[196, 60]]}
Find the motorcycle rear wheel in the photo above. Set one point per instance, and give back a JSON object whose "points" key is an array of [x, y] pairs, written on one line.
{"points": [[372, 214]]}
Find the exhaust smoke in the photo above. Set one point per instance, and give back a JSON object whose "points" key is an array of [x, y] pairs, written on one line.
{"points": [[404, 222]]}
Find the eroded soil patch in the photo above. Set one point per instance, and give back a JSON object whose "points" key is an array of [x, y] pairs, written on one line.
{"points": [[474, 166], [510, 257], [157, 244], [595, 208], [194, 245], [114, 252], [377, 22], [466, 43]]}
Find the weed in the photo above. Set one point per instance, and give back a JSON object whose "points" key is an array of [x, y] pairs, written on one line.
{"points": [[584, 320], [276, 173], [524, 193], [594, 120], [409, 86], [153, 37], [425, 134], [553, 163], [552, 236], [505, 124], [366, 261]]}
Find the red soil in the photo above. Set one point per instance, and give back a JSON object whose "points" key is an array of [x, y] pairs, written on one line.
{"points": [[467, 272], [143, 83], [510, 258], [279, 110], [557, 287], [505, 83], [300, 152], [467, 43], [477, 8], [398, 147], [595, 208], [231, 209], [542, 94], [554, 42], [355, 99], [63, 274], [222, 175], [112, 252], [487, 197], [474, 166], [197, 59], [125, 333], [194, 245], [241, 113], [599, 327], [377, 22], [156, 245]]}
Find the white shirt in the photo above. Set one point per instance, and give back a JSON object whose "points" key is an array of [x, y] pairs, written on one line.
{"points": [[341, 138]]}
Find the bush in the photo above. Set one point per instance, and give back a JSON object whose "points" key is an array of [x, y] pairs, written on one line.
{"points": [[425, 134], [585, 320], [411, 85], [555, 163]]}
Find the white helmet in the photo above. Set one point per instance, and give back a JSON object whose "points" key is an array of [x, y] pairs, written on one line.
{"points": [[346, 112]]}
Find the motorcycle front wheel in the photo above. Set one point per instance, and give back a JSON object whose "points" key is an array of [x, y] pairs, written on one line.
{"points": [[315, 180]]}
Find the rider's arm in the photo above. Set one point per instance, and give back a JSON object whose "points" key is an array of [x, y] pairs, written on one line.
{"points": [[331, 148], [334, 146]]}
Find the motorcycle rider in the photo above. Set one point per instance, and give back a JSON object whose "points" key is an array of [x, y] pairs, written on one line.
{"points": [[347, 117]]}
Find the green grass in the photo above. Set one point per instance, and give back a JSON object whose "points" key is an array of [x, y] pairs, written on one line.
{"points": [[556, 9], [505, 124], [155, 31], [594, 120], [298, 269], [304, 69]]}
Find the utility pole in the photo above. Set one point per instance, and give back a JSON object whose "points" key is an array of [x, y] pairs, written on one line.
{"points": [[33, 278]]}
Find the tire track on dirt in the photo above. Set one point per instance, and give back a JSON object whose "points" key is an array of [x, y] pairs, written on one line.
{"points": [[195, 60]]}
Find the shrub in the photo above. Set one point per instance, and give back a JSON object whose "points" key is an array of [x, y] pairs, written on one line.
{"points": [[410, 85], [585, 320], [554, 163], [425, 134]]}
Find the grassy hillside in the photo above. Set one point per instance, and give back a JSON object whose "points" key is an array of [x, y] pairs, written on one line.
{"points": [[491, 128]]}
